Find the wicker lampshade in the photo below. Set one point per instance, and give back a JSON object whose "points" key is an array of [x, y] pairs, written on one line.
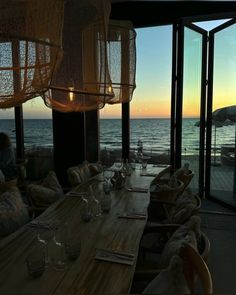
{"points": [[122, 60], [30, 48], [82, 82]]}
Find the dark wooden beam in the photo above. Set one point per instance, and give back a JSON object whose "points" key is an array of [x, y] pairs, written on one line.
{"points": [[125, 130], [154, 13]]}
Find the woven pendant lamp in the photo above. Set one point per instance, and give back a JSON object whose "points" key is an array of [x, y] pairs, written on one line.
{"points": [[82, 82], [30, 48], [122, 60]]}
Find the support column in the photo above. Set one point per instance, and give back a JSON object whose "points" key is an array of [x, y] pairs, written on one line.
{"points": [[126, 130], [92, 151], [69, 144]]}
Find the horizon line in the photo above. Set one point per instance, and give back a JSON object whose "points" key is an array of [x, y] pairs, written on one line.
{"points": [[111, 118]]}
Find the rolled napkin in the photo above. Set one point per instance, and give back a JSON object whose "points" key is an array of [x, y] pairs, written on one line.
{"points": [[133, 215], [148, 174], [137, 189], [75, 194], [114, 256], [42, 224]]}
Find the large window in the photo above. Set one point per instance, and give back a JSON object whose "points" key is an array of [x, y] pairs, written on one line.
{"points": [[110, 133], [151, 103]]}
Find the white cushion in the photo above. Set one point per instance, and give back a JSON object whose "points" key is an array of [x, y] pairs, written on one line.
{"points": [[42, 196], [13, 212], [170, 281]]}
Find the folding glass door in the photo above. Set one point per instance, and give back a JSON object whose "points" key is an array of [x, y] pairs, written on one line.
{"points": [[220, 143]]}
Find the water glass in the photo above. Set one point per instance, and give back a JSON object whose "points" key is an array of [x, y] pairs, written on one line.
{"points": [[133, 164], [106, 202], [44, 236], [106, 187], [144, 164], [95, 204], [72, 248], [118, 164], [85, 211], [35, 262], [58, 254]]}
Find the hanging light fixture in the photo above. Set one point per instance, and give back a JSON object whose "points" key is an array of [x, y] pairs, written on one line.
{"points": [[30, 48], [122, 60], [82, 82]]}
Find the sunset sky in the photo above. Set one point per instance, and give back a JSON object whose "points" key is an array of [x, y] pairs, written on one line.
{"points": [[153, 76]]}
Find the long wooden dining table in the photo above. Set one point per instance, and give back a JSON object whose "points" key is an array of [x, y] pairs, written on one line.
{"points": [[86, 275]]}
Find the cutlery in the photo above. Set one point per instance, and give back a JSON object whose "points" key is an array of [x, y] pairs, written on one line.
{"points": [[148, 174], [137, 189], [39, 224], [128, 255]]}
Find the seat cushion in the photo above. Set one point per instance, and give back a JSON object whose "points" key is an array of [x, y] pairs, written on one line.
{"points": [[95, 168], [42, 196], [187, 233], [78, 174], [46, 192], [51, 181], [13, 212], [170, 281]]}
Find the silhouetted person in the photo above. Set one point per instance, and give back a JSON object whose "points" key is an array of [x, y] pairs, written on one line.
{"points": [[7, 158]]}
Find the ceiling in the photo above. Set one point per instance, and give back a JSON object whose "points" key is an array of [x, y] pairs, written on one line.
{"points": [[150, 13]]}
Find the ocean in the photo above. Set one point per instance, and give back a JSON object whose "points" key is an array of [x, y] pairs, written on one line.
{"points": [[154, 134]]}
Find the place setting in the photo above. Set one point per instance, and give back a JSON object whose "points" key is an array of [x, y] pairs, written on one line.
{"points": [[133, 215], [42, 224], [115, 256], [137, 189]]}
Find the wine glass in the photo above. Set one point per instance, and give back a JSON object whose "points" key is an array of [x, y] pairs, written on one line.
{"points": [[118, 164], [60, 238], [95, 204], [107, 174], [44, 236], [85, 211]]}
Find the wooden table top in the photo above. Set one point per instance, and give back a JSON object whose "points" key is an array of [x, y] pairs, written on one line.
{"points": [[85, 275]]}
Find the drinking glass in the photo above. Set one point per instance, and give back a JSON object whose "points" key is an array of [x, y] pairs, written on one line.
{"points": [[118, 164], [95, 204], [35, 262], [60, 238], [73, 248], [85, 211], [107, 174], [106, 198], [44, 236], [144, 164], [133, 163]]}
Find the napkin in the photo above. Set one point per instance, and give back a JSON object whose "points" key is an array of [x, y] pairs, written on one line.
{"points": [[114, 256], [148, 174], [137, 189], [133, 215], [41, 224], [75, 194]]}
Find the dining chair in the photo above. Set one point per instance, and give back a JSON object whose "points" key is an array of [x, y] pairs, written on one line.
{"points": [[162, 196], [180, 276], [160, 234]]}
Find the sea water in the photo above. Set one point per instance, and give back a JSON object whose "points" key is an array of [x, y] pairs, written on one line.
{"points": [[154, 134]]}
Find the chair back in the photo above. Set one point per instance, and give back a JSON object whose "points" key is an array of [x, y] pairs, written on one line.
{"points": [[186, 179], [195, 266]]}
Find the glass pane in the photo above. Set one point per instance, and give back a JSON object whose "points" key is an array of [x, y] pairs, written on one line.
{"points": [[110, 134], [191, 102], [150, 106], [223, 129]]}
